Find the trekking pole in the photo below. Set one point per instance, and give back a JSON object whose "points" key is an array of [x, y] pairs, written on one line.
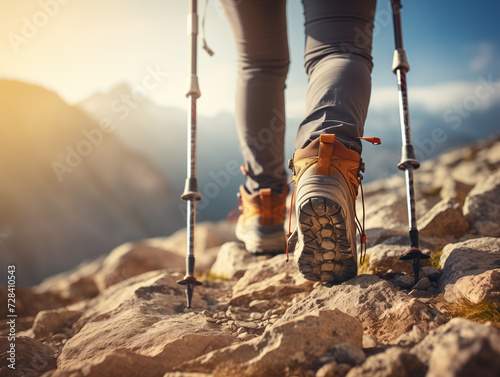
{"points": [[191, 194], [408, 161]]}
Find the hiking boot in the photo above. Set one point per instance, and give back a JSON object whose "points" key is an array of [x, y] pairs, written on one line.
{"points": [[260, 225], [326, 183]]}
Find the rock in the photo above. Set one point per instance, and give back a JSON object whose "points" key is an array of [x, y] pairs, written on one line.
{"points": [[206, 313], [346, 353], [259, 305], [415, 293], [461, 348], [369, 341], [125, 261], [245, 336], [423, 284], [49, 322], [431, 273], [241, 330], [256, 316], [384, 312], [490, 154], [118, 362], [444, 219], [406, 281], [375, 236], [385, 206], [209, 237], [75, 285], [470, 172], [183, 374], [394, 362], [32, 358], [233, 261], [144, 314], [290, 344], [411, 338], [384, 258], [386, 211], [482, 207], [132, 259], [246, 325], [23, 326], [29, 303], [271, 279], [328, 370], [453, 189], [468, 259], [479, 288], [343, 369]]}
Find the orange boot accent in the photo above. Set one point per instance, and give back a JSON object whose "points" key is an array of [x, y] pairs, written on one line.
{"points": [[268, 206], [327, 153]]}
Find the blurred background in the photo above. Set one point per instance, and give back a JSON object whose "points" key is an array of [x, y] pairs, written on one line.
{"points": [[93, 114]]}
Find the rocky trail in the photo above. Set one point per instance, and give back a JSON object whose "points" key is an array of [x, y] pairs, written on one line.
{"points": [[124, 315]]}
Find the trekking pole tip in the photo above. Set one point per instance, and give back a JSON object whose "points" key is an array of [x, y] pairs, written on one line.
{"points": [[189, 295], [415, 255], [190, 282]]}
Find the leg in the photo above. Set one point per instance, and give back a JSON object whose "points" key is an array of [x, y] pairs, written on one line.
{"points": [[338, 62], [327, 157], [259, 29]]}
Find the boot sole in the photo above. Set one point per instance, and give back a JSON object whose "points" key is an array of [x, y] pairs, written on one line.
{"points": [[325, 253]]}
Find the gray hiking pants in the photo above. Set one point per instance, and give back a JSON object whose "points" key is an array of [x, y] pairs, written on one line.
{"points": [[337, 60]]}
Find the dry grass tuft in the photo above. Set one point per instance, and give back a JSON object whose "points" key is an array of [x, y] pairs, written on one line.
{"points": [[433, 191], [207, 275], [435, 257], [481, 312], [363, 268]]}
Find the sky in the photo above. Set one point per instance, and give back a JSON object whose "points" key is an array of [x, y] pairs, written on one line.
{"points": [[78, 47]]}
